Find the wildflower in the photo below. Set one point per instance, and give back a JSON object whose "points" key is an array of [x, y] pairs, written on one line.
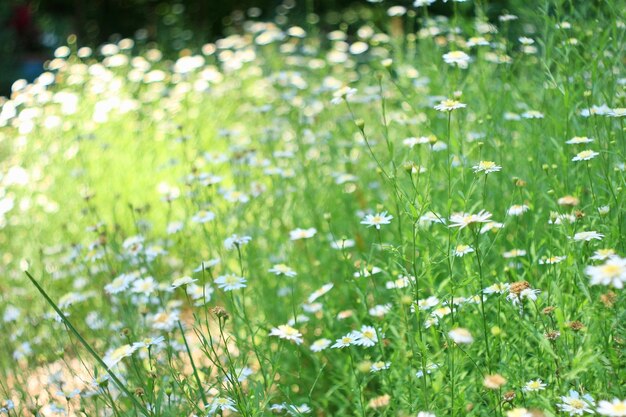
{"points": [[551, 260], [203, 216], [517, 210], [534, 385], [346, 340], [519, 412], [115, 356], [287, 332], [494, 381], [427, 303], [568, 200], [282, 269], [428, 369], [377, 220], [585, 155], [612, 272], [378, 402], [462, 250], [236, 241], [145, 286], [298, 234], [615, 408], [230, 282], [578, 140], [532, 114], [603, 254], [320, 344], [587, 236], [497, 288], [425, 414], [449, 105], [320, 292], [514, 253], [220, 404], [380, 310], [179, 282], [365, 337], [462, 220], [489, 226], [297, 410], [342, 244], [575, 404], [487, 167], [343, 93], [461, 336], [379, 366], [457, 58]]}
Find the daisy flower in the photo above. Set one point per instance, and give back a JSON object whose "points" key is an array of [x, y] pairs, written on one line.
{"points": [[346, 340], [534, 385], [220, 404], [203, 216], [588, 236], [282, 269], [230, 282], [179, 282], [236, 241], [379, 366], [615, 408], [366, 336], [377, 219], [578, 140], [517, 210], [462, 220], [320, 345], [462, 250], [461, 336], [575, 405], [457, 58], [449, 105], [284, 331], [612, 272], [551, 260], [298, 234], [487, 167], [585, 155]]}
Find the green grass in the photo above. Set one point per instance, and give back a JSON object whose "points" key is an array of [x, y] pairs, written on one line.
{"points": [[266, 138]]}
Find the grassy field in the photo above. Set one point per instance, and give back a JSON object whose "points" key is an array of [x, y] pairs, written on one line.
{"points": [[424, 217]]}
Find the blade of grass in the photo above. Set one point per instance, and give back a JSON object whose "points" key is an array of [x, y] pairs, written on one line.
{"points": [[87, 346]]}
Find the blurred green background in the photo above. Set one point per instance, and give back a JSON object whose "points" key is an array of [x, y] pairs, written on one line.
{"points": [[30, 30]]}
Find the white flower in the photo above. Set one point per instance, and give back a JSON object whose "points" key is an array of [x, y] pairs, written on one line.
{"points": [[462, 220], [179, 282], [346, 340], [587, 236], [612, 272], [318, 293], [320, 345], [379, 366], [461, 336], [517, 209], [236, 241], [113, 357], [552, 260], [298, 234], [534, 385], [577, 140], [287, 332], [585, 155], [449, 105], [377, 219], [365, 337], [574, 404], [282, 269], [221, 404], [462, 250], [203, 216], [615, 408], [425, 414], [457, 58], [230, 282], [487, 167]]}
